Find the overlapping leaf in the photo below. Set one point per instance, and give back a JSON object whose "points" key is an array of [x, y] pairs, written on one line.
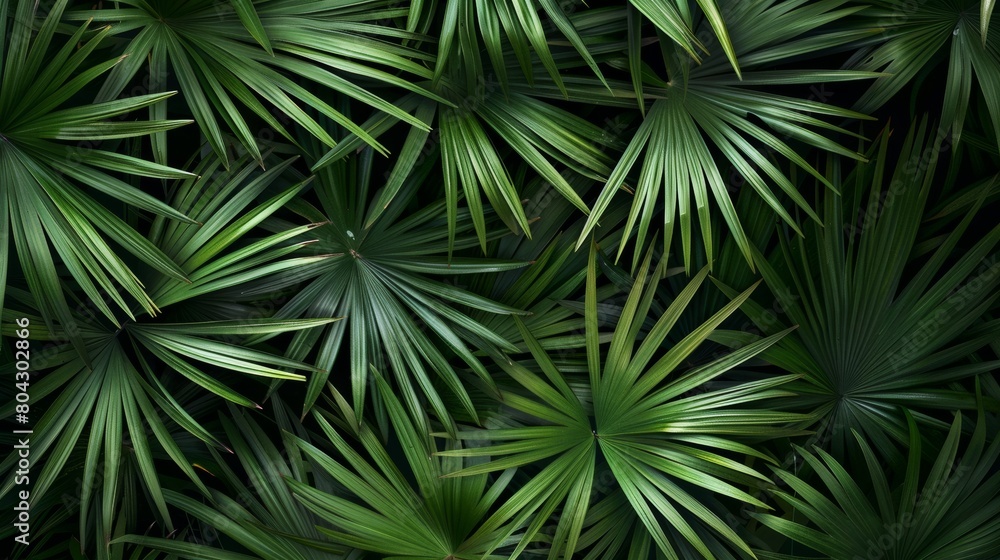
{"points": [[232, 56], [698, 110], [916, 36], [381, 275], [879, 332], [545, 137], [382, 511], [48, 202], [636, 417], [950, 513], [258, 511], [117, 394]]}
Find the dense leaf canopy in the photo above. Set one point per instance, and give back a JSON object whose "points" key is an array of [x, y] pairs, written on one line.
{"points": [[498, 279]]}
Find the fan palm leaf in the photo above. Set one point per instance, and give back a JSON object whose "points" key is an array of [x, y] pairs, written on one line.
{"points": [[916, 36], [246, 53], [258, 510], [955, 514], [473, 134], [700, 108], [386, 276], [659, 444], [382, 511], [47, 201], [879, 332], [117, 394]]}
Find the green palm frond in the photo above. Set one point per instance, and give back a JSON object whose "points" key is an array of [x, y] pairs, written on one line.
{"points": [[359, 322], [951, 513], [381, 510], [384, 275], [700, 109], [524, 32], [116, 393], [231, 56], [258, 511], [547, 138], [49, 185], [880, 331], [917, 36], [636, 419]]}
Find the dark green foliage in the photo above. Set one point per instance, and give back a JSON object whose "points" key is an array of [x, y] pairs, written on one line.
{"points": [[490, 279]]}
